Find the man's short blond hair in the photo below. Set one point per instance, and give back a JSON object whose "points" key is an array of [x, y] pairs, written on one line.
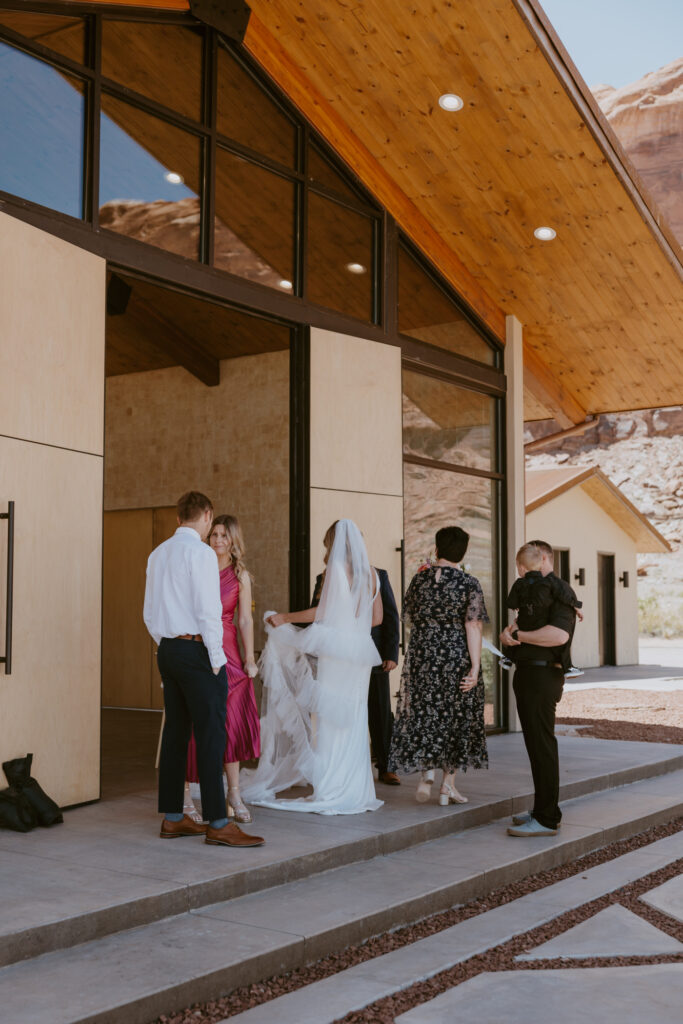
{"points": [[530, 556]]}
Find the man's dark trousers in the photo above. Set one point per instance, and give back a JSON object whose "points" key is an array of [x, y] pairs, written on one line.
{"points": [[538, 689], [194, 698], [380, 717]]}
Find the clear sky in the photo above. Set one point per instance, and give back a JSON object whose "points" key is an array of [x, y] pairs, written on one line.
{"points": [[615, 42]]}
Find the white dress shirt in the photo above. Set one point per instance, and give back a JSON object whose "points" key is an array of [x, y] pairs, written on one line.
{"points": [[183, 592]]}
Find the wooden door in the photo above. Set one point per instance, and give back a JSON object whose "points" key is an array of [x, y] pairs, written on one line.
{"points": [[164, 525], [130, 678], [127, 542], [51, 436], [606, 610]]}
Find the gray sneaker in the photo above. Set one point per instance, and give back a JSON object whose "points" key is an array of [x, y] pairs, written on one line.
{"points": [[521, 819], [531, 830]]}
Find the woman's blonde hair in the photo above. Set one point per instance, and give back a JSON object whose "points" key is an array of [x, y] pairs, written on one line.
{"points": [[233, 529]]}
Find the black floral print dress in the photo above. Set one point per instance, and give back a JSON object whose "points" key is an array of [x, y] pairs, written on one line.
{"points": [[438, 725]]}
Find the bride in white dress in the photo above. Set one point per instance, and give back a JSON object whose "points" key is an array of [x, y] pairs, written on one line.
{"points": [[314, 718]]}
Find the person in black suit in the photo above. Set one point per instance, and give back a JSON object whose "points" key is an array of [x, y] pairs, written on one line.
{"points": [[386, 639]]}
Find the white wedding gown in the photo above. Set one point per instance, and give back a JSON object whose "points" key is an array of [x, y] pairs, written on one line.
{"points": [[314, 720]]}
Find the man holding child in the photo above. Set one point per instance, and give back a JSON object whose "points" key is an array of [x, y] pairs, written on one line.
{"points": [[538, 642]]}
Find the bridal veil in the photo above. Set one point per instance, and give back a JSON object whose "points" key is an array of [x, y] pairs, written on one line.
{"points": [[315, 683]]}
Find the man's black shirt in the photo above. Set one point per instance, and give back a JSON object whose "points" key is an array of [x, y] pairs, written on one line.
{"points": [[562, 616]]}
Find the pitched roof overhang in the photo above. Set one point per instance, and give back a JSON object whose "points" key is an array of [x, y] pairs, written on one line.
{"points": [[544, 485], [602, 304]]}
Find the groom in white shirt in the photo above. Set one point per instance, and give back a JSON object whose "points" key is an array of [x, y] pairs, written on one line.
{"points": [[183, 613]]}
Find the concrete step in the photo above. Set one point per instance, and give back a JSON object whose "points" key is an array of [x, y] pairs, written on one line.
{"points": [[106, 870], [331, 999], [140, 973]]}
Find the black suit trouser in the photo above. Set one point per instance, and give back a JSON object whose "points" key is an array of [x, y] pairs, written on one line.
{"points": [[194, 698], [538, 690], [380, 717]]}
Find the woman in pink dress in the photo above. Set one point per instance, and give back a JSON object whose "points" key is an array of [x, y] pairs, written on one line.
{"points": [[242, 720]]}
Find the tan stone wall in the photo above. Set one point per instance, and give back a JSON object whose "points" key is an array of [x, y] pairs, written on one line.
{"points": [[166, 433]]}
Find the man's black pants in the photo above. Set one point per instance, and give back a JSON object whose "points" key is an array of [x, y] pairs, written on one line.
{"points": [[380, 717], [194, 698], [538, 689]]}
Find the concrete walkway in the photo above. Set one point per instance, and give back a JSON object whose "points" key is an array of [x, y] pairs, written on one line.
{"points": [[88, 906]]}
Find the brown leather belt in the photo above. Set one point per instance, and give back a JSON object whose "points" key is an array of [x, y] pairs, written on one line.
{"points": [[191, 636]]}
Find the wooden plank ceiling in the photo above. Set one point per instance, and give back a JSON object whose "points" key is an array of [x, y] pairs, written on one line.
{"points": [[602, 304]]}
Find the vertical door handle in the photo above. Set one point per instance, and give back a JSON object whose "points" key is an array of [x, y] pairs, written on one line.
{"points": [[402, 549], [7, 658]]}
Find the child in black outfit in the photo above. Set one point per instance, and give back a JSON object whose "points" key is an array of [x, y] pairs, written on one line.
{"points": [[533, 594]]}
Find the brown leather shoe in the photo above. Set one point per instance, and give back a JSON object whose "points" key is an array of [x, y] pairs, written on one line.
{"points": [[178, 829], [231, 835], [389, 778]]}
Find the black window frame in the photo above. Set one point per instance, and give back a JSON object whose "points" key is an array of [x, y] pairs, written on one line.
{"points": [[201, 279]]}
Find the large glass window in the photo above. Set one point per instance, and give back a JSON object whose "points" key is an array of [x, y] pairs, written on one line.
{"points": [[254, 225], [447, 423], [64, 35], [436, 497], [426, 312], [321, 172], [149, 179], [340, 257], [162, 62], [247, 114], [41, 132]]}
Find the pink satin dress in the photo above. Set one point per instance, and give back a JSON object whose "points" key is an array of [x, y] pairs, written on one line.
{"points": [[241, 719]]}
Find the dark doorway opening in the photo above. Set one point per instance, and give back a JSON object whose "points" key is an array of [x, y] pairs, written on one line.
{"points": [[561, 563], [606, 611]]}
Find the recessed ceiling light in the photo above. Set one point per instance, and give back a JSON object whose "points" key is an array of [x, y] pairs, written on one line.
{"points": [[545, 234], [355, 268], [173, 178], [449, 101], [287, 285]]}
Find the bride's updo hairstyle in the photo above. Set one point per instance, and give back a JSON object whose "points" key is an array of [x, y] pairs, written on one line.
{"points": [[237, 546], [451, 543], [328, 540]]}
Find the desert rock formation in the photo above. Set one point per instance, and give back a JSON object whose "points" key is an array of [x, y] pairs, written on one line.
{"points": [[647, 117]]}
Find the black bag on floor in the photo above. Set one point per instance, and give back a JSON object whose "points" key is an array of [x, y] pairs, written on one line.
{"points": [[18, 774], [15, 811]]}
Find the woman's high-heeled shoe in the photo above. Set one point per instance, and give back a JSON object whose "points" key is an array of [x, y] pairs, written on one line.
{"points": [[450, 795], [189, 808], [424, 787], [237, 809]]}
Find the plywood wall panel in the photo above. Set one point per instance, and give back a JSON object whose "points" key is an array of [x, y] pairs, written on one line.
{"points": [[355, 414], [52, 308], [168, 433], [50, 704]]}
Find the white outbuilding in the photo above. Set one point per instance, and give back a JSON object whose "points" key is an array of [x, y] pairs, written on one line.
{"points": [[596, 533]]}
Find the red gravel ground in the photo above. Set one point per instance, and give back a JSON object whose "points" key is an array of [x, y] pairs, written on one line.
{"points": [[502, 958], [647, 715], [497, 959]]}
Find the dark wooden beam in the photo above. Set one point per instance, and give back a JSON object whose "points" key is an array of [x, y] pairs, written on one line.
{"points": [[177, 345]]}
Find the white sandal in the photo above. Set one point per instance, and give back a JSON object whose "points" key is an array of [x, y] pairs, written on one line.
{"points": [[237, 809], [450, 795], [424, 787]]}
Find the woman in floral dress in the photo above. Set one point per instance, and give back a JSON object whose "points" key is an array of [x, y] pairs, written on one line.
{"points": [[440, 714]]}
